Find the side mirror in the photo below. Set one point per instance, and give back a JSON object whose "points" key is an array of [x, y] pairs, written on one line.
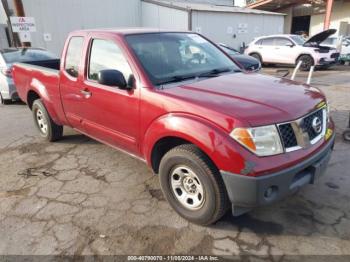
{"points": [[290, 45], [111, 77]]}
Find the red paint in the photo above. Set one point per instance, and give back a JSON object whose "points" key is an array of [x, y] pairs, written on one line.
{"points": [[203, 113]]}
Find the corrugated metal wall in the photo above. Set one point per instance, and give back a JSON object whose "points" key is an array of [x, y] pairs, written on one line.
{"points": [[58, 18], [3, 37], [163, 17], [235, 28]]}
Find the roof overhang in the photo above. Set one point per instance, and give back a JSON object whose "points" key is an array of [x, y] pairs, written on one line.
{"points": [[202, 7], [276, 5]]}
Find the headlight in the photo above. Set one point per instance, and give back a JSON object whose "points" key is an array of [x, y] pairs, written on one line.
{"points": [[263, 141], [328, 112]]}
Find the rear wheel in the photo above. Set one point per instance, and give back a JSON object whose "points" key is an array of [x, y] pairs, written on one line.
{"points": [[193, 185], [47, 128], [257, 57], [307, 62]]}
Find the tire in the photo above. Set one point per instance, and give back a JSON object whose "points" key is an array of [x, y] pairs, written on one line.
{"points": [[257, 57], [47, 128], [307, 62], [181, 166], [346, 135]]}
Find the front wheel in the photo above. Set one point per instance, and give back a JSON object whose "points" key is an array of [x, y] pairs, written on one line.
{"points": [[47, 127], [193, 185], [306, 62]]}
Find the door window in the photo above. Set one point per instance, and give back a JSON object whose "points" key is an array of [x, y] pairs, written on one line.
{"points": [[74, 55], [282, 42], [107, 55], [267, 41]]}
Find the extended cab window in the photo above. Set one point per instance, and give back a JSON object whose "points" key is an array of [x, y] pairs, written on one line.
{"points": [[107, 55], [74, 55]]}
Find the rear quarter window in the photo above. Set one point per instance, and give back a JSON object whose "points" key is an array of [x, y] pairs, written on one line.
{"points": [[73, 55], [258, 42]]}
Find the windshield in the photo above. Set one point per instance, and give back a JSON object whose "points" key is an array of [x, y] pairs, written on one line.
{"points": [[298, 39], [174, 57], [27, 55]]}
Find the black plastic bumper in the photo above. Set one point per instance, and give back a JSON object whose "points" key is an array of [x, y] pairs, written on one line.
{"points": [[249, 192]]}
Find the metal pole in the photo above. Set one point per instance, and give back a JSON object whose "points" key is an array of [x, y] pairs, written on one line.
{"points": [[310, 75], [327, 19], [20, 12], [296, 70]]}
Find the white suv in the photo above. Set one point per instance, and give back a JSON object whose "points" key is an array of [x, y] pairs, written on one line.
{"points": [[290, 49]]}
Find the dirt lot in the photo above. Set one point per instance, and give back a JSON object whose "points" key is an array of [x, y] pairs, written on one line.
{"points": [[78, 196]]}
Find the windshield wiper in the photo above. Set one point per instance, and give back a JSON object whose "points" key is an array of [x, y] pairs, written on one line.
{"points": [[211, 73], [216, 72], [177, 78]]}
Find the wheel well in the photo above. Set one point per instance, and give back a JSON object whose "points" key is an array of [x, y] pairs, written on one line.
{"points": [[32, 96], [162, 147]]}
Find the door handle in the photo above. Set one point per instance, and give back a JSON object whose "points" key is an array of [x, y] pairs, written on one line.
{"points": [[86, 93]]}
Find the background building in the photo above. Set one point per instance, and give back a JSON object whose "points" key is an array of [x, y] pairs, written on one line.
{"points": [[311, 16], [217, 19], [225, 24]]}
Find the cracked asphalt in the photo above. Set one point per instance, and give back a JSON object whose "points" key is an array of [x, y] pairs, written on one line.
{"points": [[80, 197]]}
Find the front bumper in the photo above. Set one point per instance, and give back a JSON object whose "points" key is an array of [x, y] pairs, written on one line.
{"points": [[249, 192], [330, 59]]}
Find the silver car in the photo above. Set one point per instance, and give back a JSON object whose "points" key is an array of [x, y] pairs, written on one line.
{"points": [[10, 56]]}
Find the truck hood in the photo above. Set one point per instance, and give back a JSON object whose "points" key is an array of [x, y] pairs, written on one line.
{"points": [[320, 37], [254, 99]]}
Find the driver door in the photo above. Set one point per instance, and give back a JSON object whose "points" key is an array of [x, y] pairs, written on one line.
{"points": [[111, 114]]}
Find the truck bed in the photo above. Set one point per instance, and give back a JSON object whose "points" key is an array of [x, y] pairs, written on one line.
{"points": [[52, 64], [40, 76]]}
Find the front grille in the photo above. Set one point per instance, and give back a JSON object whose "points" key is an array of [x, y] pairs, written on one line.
{"points": [[288, 136], [335, 55], [307, 124]]}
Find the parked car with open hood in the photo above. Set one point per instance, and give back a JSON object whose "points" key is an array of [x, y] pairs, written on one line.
{"points": [[247, 62], [290, 49], [9, 56]]}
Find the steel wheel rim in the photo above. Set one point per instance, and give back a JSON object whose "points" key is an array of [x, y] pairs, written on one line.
{"points": [[187, 188], [41, 121]]}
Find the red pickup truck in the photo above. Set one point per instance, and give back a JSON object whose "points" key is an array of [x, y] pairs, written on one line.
{"points": [[217, 137]]}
